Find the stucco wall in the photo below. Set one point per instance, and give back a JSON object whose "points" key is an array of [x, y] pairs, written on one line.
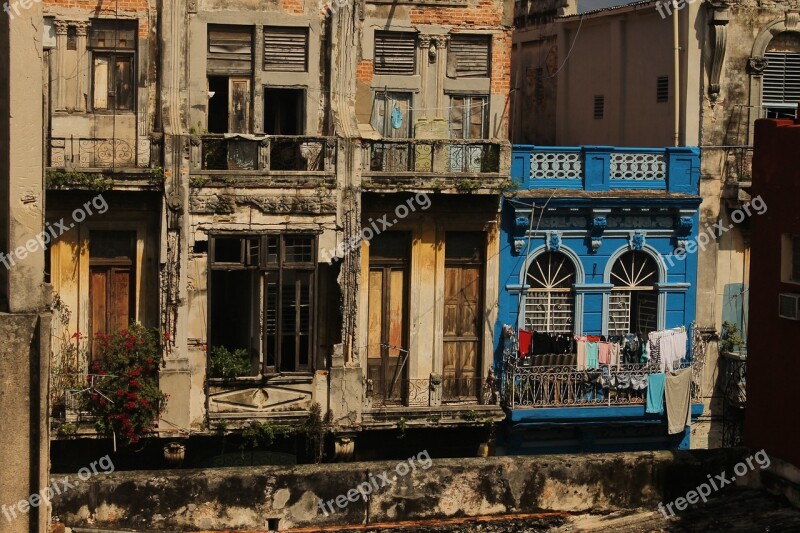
{"points": [[246, 498]]}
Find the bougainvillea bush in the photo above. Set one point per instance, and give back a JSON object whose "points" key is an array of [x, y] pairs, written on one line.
{"points": [[125, 396]]}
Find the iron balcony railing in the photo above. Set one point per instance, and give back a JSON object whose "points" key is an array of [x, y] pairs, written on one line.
{"points": [[566, 386], [431, 156], [233, 152], [423, 392], [87, 153]]}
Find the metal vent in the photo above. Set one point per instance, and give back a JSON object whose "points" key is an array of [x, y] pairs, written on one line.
{"points": [[662, 89], [395, 52], [468, 56], [599, 106], [286, 49]]}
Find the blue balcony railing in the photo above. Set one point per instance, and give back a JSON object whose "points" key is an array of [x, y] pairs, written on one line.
{"points": [[604, 168]]}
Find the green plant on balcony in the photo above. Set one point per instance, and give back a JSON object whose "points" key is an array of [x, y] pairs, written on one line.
{"points": [[126, 400], [67, 430], [401, 428], [59, 179], [731, 340], [227, 363], [315, 428]]}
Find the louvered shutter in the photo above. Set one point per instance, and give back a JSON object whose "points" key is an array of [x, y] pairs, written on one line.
{"points": [[230, 50], [468, 56], [395, 53], [781, 78], [286, 49]]}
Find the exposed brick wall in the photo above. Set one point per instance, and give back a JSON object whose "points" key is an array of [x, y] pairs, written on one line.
{"points": [[100, 7], [294, 7], [486, 13], [501, 63], [364, 72]]}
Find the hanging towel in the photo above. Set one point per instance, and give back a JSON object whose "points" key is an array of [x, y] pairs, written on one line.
{"points": [[604, 353], [580, 345], [615, 349], [677, 392], [655, 394], [592, 355]]}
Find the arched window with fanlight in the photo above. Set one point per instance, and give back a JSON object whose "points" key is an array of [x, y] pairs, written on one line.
{"points": [[550, 300], [633, 304]]}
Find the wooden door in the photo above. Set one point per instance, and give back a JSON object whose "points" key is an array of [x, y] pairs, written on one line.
{"points": [[239, 105], [463, 315], [387, 355], [111, 283]]}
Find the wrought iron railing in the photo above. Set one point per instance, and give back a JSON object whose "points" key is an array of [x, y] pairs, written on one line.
{"points": [[566, 386], [431, 155], [263, 153], [526, 385], [424, 392], [739, 164], [96, 153]]}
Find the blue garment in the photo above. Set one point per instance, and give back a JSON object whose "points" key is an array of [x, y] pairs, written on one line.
{"points": [[397, 118], [655, 393], [592, 355]]}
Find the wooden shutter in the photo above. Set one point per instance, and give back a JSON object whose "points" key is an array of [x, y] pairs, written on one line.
{"points": [[395, 52], [286, 49], [468, 56], [230, 50], [781, 78]]}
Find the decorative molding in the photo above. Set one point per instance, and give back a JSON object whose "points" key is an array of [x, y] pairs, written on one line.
{"points": [[637, 240], [424, 41], [597, 226], [756, 65], [81, 28], [719, 23], [61, 26], [519, 245], [553, 241]]}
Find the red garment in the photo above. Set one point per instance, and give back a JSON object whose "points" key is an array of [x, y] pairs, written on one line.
{"points": [[593, 338], [524, 338]]}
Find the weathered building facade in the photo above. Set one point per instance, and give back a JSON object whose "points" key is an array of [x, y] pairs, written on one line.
{"points": [[645, 74], [312, 187]]}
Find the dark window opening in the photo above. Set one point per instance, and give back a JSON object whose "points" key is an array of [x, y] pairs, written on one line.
{"points": [[218, 104], [599, 106], [262, 298], [72, 38], [284, 111]]}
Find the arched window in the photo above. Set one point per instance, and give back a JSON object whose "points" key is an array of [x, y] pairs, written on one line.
{"points": [[781, 88], [633, 305], [550, 301]]}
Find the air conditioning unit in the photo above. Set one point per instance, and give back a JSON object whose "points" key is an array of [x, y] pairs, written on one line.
{"points": [[789, 306]]}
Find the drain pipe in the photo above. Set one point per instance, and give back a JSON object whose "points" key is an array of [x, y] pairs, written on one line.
{"points": [[676, 74]]}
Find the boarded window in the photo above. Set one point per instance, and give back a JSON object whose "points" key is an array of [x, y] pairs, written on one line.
{"points": [[468, 56], [391, 114], [286, 49], [230, 49], [395, 52]]}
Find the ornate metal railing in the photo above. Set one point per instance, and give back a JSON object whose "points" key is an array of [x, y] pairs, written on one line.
{"points": [[565, 386], [424, 392], [431, 155], [739, 164], [95, 153], [263, 153], [527, 386], [734, 368]]}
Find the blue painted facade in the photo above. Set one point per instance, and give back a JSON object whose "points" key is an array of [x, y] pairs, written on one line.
{"points": [[593, 204]]}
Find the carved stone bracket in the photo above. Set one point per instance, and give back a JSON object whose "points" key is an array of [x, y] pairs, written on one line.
{"points": [[719, 23], [756, 65]]}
